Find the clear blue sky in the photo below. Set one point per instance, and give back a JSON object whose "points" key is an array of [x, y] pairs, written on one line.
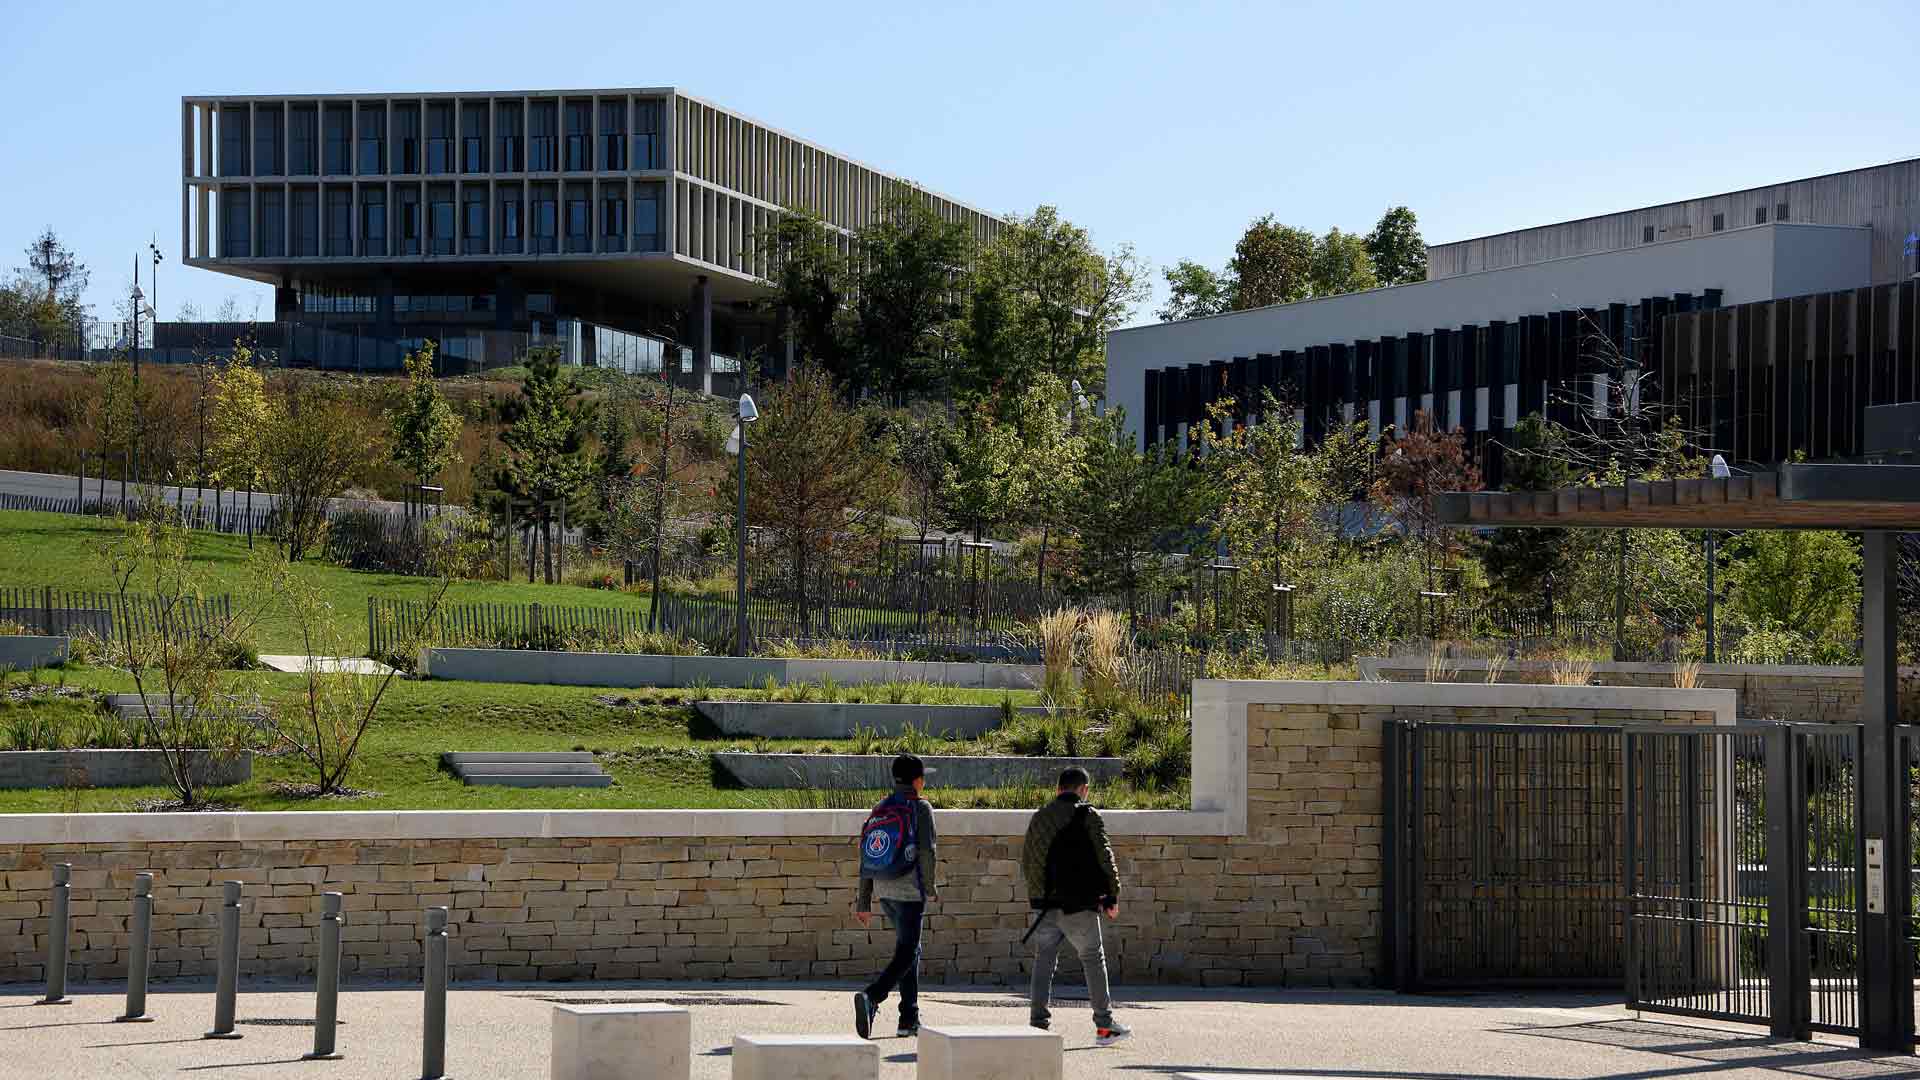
{"points": [[1168, 127]]}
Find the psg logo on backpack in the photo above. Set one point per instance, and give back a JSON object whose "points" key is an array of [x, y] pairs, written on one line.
{"points": [[887, 840]]}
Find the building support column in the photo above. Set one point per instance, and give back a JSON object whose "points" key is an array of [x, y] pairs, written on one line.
{"points": [[1886, 987], [702, 318]]}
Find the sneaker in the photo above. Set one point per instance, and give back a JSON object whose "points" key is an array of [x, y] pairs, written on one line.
{"points": [[862, 1015], [908, 1031], [1107, 1036], [1040, 1025]]}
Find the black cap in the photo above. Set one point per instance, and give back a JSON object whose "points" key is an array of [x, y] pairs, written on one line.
{"points": [[907, 768]]}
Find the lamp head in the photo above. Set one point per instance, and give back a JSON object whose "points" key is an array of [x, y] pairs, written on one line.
{"points": [[1719, 468], [747, 411]]}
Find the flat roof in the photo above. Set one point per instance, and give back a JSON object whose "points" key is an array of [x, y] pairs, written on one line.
{"points": [[1845, 497]]}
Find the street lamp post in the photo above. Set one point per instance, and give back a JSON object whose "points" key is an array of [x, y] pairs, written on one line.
{"points": [[133, 331], [746, 413]]}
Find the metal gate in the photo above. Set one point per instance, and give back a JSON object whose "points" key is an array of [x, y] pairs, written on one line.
{"points": [[1660, 858]]}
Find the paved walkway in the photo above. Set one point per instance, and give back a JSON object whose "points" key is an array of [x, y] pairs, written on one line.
{"points": [[355, 665], [503, 1033]]}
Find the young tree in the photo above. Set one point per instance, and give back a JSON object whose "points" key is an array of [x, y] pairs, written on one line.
{"points": [[1062, 296], [985, 484], [643, 502], [313, 445], [1265, 490], [63, 313], [815, 476], [1422, 464], [238, 417], [923, 449], [547, 444], [807, 274], [904, 279], [1272, 264], [1399, 254], [1341, 265], [1047, 421], [1801, 581], [1530, 567], [424, 429], [1129, 509], [1194, 290]]}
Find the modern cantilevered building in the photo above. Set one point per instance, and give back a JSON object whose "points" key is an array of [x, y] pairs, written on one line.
{"points": [[1768, 318], [489, 221]]}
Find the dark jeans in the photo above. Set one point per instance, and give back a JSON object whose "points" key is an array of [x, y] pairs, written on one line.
{"points": [[903, 971]]}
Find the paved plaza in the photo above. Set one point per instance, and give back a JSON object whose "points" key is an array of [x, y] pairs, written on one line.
{"points": [[503, 1033]]}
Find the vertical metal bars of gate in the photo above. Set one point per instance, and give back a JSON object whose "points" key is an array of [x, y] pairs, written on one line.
{"points": [[1743, 875], [1502, 854]]}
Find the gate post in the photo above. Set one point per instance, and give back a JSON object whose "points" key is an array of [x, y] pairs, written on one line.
{"points": [[1786, 908], [1630, 872], [1393, 785], [1886, 987]]}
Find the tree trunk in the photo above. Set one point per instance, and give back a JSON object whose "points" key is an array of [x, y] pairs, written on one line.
{"points": [[546, 545], [1620, 602], [1040, 575]]}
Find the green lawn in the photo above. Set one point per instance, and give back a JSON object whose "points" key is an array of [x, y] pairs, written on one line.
{"points": [[651, 745], [61, 550]]}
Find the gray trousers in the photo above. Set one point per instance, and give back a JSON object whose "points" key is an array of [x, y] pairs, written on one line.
{"points": [[1082, 929]]}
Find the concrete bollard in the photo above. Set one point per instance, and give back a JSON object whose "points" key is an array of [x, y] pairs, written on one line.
{"points": [[139, 951], [326, 995], [226, 986], [57, 935], [619, 1042], [976, 1053], [433, 1049], [805, 1057]]}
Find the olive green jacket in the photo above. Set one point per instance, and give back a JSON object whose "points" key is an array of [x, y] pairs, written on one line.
{"points": [[1047, 823]]}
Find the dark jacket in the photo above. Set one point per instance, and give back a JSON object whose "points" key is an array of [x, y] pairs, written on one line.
{"points": [[1069, 867], [922, 880]]}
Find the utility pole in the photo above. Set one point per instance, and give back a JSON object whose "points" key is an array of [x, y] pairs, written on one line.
{"points": [[133, 327]]}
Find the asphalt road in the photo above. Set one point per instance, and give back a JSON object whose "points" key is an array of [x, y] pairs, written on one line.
{"points": [[59, 486]]}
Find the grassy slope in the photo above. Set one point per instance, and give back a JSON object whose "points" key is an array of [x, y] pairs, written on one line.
{"points": [[648, 745], [59, 550]]}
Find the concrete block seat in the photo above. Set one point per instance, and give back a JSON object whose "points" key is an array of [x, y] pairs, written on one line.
{"points": [[990, 1053], [527, 770], [805, 1057], [621, 1042]]}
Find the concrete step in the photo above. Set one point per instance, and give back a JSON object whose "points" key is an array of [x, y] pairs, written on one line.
{"points": [[530, 768], [457, 758], [537, 780]]}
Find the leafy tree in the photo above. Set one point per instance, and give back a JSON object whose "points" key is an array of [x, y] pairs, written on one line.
{"points": [[1265, 491], [815, 477], [1422, 464], [238, 417], [1048, 419], [60, 311], [547, 440], [313, 445], [424, 428], [1272, 264], [1341, 265], [1194, 290], [1346, 460], [112, 415], [985, 485], [923, 446], [986, 342], [1531, 566], [1128, 509], [903, 278], [807, 274], [1398, 253], [1061, 297], [643, 501], [1805, 582]]}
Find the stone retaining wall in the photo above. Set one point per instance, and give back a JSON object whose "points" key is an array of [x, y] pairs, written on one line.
{"points": [[856, 772], [635, 669], [1827, 695], [115, 768], [1274, 878]]}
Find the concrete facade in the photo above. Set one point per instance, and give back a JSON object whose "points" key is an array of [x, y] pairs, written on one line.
{"points": [[1273, 878], [824, 720], [635, 669], [870, 772], [115, 768], [23, 652]]}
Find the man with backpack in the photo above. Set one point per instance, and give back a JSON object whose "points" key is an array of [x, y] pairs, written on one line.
{"points": [[897, 868], [1071, 881]]}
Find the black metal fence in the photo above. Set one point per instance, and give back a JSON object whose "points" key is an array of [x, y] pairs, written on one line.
{"points": [[51, 610]]}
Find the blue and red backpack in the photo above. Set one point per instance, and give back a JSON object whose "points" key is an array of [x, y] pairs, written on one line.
{"points": [[887, 840]]}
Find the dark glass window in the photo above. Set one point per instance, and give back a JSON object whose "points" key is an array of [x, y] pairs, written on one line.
{"points": [[233, 141], [579, 218], [440, 137], [512, 228], [579, 136], [303, 140], [473, 213], [613, 219], [646, 134], [235, 236], [406, 133], [544, 210], [339, 221], [268, 123], [473, 136], [613, 136], [646, 217], [373, 140], [1719, 222], [543, 141], [270, 239], [306, 222], [339, 125], [1646, 234], [1780, 212], [440, 219], [513, 143], [373, 221], [407, 200], [539, 303]]}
